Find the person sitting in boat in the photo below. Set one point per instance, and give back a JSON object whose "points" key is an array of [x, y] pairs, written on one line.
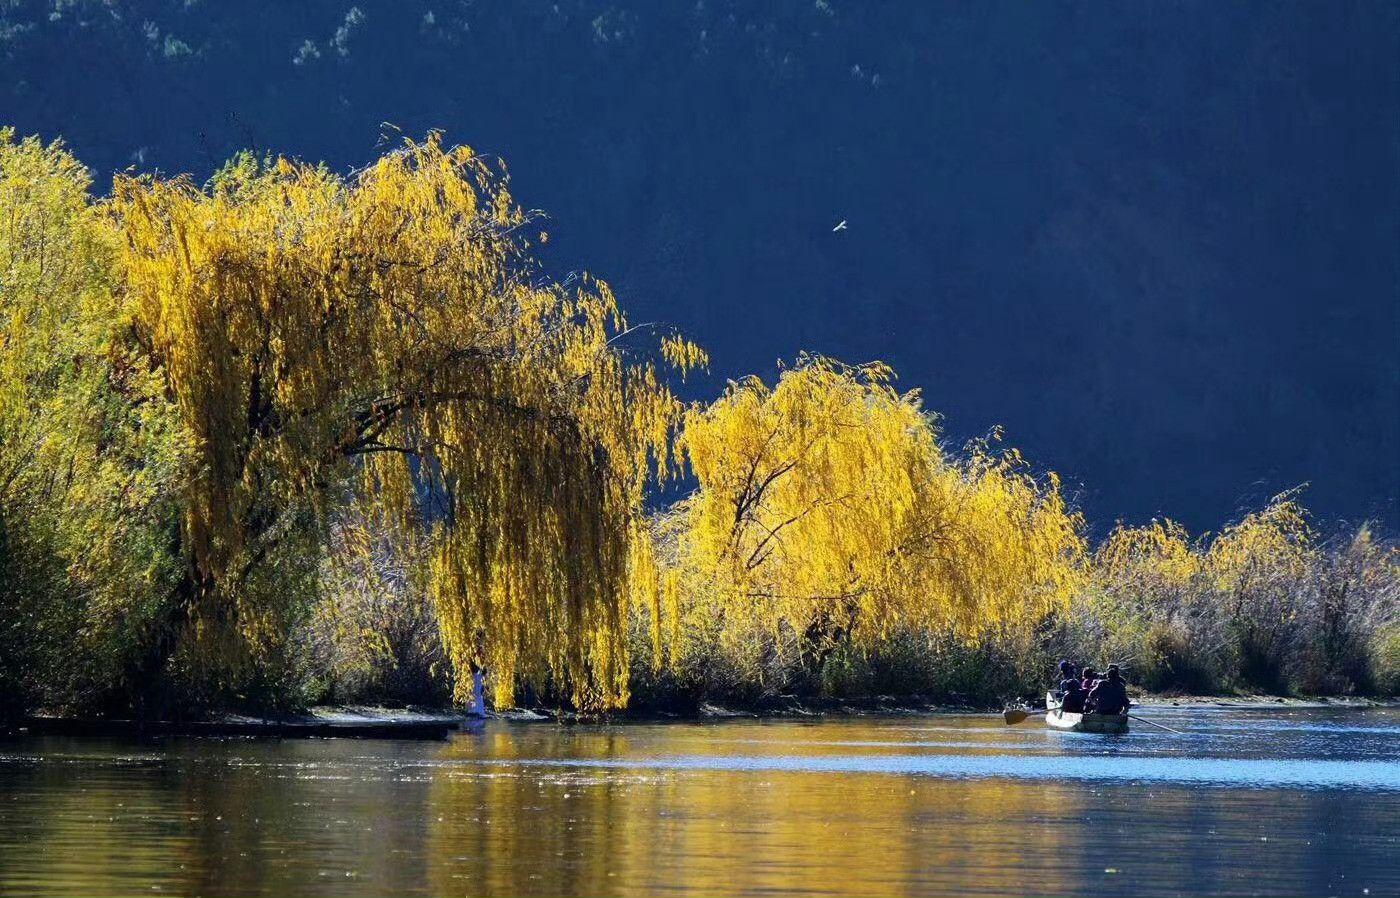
{"points": [[1072, 696], [1069, 681], [1109, 695], [1066, 674], [1090, 678]]}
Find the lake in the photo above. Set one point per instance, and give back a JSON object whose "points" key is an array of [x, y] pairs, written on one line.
{"points": [[1244, 802]]}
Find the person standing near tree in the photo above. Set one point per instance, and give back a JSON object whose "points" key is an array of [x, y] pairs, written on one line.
{"points": [[478, 705]]}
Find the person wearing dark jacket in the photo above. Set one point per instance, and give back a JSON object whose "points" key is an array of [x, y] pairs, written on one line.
{"points": [[1109, 695], [1069, 692], [1072, 696]]}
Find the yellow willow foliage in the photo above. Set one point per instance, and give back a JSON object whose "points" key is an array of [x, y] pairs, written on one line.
{"points": [[1150, 590], [390, 331], [52, 275], [1267, 552], [825, 504], [1372, 566], [88, 448], [1158, 560]]}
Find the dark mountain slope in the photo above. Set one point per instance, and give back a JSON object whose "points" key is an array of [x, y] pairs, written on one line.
{"points": [[1158, 242]]}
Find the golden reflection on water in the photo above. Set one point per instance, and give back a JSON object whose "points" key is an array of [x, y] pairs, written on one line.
{"points": [[525, 810]]}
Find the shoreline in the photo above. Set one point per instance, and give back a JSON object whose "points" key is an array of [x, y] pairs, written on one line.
{"points": [[1265, 702], [373, 722], [893, 706], [318, 723]]}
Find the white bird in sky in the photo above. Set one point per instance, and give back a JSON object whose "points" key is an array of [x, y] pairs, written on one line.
{"points": [[840, 227]]}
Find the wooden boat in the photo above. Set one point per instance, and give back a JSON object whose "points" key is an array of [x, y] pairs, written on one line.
{"points": [[1082, 723]]}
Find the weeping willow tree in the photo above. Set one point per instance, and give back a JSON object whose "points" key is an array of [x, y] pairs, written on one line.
{"points": [[386, 339], [827, 509]]}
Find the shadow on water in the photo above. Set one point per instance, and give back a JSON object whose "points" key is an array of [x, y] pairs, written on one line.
{"points": [[914, 805]]}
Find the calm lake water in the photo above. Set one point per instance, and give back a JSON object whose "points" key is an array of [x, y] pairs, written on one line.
{"points": [[1247, 802]]}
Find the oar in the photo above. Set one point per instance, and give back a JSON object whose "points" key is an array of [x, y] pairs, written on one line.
{"points": [[1014, 716], [1157, 725]]}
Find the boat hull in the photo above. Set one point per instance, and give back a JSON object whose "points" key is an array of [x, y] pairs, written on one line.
{"points": [[1083, 723]]}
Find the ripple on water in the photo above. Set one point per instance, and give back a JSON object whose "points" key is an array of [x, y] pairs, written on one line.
{"points": [[1236, 772], [949, 805]]}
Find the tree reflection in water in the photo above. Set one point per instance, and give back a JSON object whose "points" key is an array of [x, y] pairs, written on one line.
{"points": [[517, 810]]}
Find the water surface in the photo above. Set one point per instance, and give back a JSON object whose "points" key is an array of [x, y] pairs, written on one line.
{"points": [[1245, 802]]}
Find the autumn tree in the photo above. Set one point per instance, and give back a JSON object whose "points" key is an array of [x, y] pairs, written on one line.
{"points": [[1208, 612], [1258, 568], [1151, 609], [826, 508], [386, 339], [1265, 604], [90, 451]]}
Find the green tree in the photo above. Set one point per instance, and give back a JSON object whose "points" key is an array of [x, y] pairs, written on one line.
{"points": [[90, 452]]}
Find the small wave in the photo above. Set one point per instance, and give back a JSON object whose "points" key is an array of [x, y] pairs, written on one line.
{"points": [[1230, 772]]}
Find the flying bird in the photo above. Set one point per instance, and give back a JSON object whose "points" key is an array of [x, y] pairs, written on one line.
{"points": [[840, 227]]}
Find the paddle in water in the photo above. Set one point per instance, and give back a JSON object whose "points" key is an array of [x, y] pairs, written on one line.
{"points": [[1157, 725], [1014, 716]]}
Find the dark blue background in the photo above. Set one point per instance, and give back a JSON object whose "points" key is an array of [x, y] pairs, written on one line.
{"points": [[1159, 242]]}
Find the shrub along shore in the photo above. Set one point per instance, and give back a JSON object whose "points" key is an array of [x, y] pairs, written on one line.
{"points": [[207, 505]]}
